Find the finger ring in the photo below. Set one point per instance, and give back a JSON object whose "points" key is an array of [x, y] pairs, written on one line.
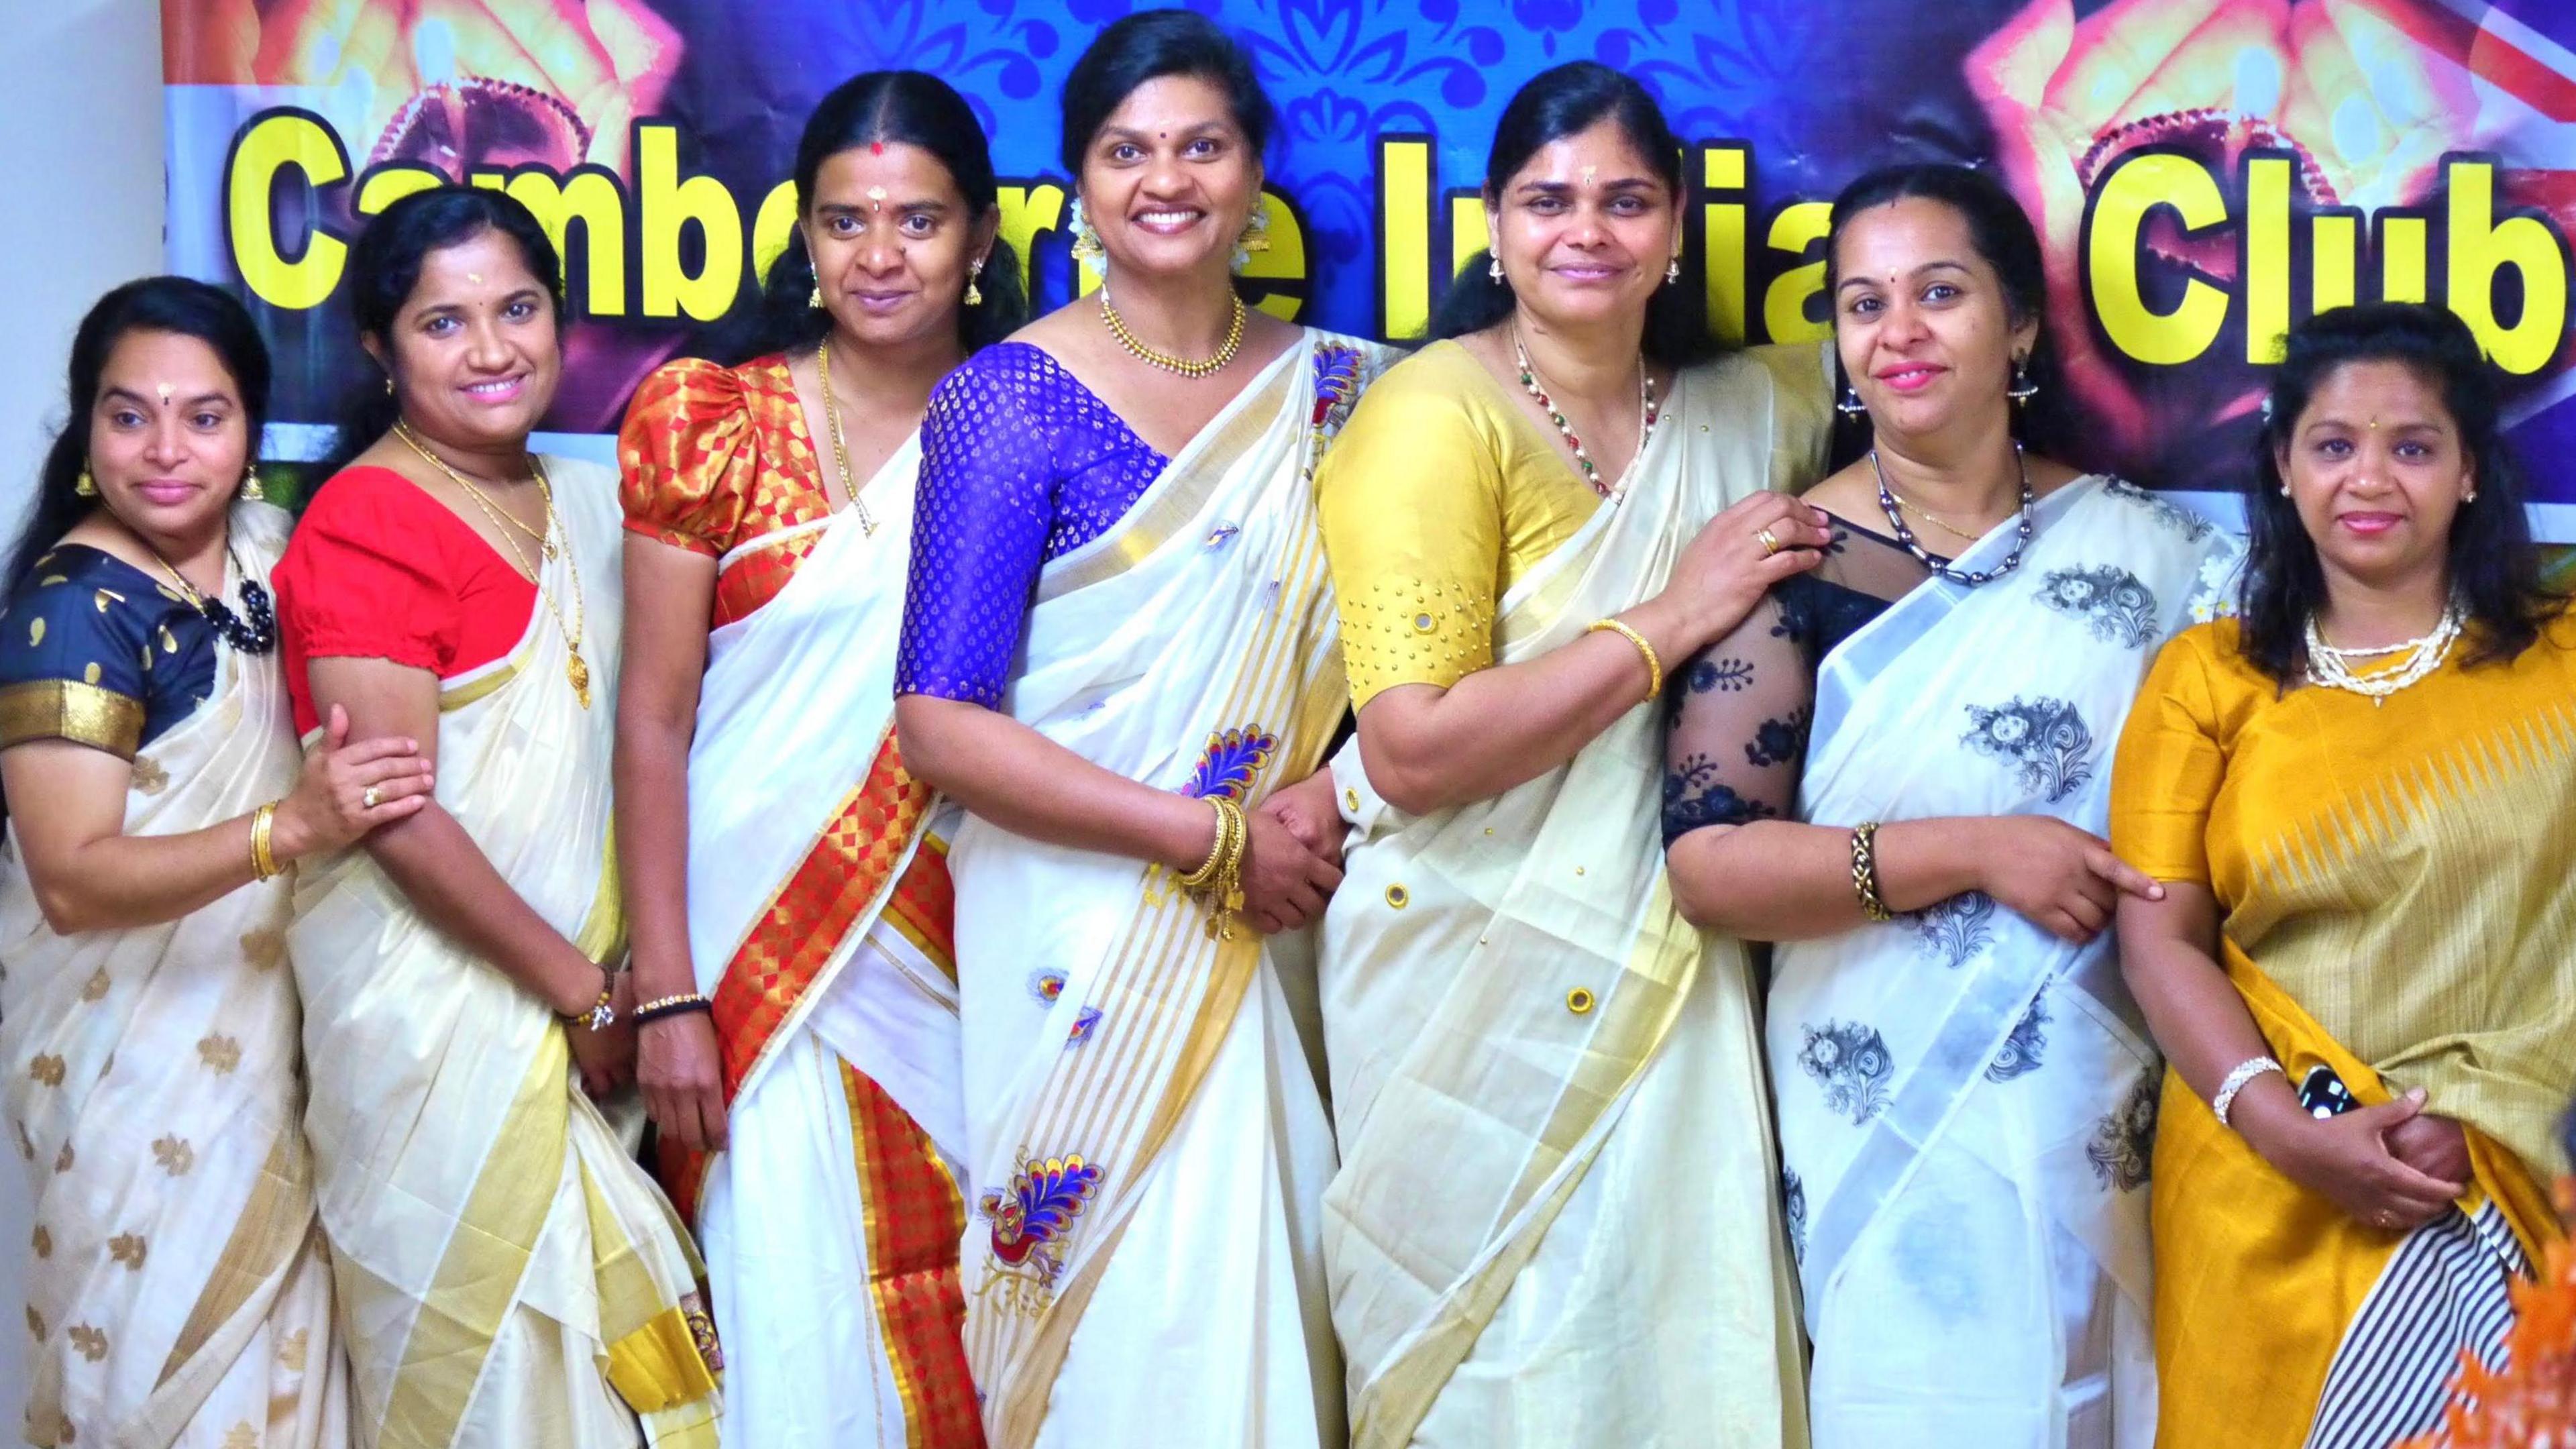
{"points": [[368, 797], [1770, 542]]}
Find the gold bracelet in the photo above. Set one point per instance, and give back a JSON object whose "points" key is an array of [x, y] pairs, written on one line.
{"points": [[1654, 662], [1226, 897], [1864, 863], [1206, 872], [263, 861]]}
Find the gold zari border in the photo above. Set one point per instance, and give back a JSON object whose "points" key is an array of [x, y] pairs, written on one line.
{"points": [[64, 709]]}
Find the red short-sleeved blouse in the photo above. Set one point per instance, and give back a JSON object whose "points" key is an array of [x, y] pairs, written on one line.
{"points": [[378, 569]]}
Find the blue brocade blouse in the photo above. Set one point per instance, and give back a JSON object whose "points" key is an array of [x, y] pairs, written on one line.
{"points": [[1020, 464]]}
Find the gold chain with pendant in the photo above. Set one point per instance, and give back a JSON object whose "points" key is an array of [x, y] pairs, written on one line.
{"points": [[576, 669]]}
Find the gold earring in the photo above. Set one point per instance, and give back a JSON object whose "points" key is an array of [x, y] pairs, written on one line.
{"points": [[815, 298], [85, 485], [250, 489], [974, 274]]}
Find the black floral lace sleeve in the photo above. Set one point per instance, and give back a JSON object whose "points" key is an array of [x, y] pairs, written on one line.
{"points": [[1736, 724]]}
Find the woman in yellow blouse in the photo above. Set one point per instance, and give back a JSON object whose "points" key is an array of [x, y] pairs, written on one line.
{"points": [[1555, 1220], [2362, 799]]}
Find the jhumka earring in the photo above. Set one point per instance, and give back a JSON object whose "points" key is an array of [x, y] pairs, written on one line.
{"points": [[1672, 271], [1255, 238], [1495, 271], [2023, 389], [250, 488], [85, 485], [974, 274], [1849, 404], [814, 298], [1086, 249]]}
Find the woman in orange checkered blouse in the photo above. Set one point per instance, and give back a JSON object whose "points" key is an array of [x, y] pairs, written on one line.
{"points": [[790, 902]]}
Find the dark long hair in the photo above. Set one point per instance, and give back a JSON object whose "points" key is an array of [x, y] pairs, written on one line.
{"points": [[2494, 573], [183, 306], [1150, 45], [910, 108], [384, 267], [1558, 103], [2004, 239]]}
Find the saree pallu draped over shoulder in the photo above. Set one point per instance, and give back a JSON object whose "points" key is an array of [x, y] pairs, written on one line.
{"points": [[506, 1272], [2397, 909], [1965, 1100], [179, 1292], [1144, 1130], [1555, 1220]]}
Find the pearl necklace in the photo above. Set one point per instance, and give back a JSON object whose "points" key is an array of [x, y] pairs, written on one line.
{"points": [[2332, 667], [1974, 577], [1647, 417], [1184, 366]]}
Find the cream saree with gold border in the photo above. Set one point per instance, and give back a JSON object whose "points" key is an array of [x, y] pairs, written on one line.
{"points": [[507, 1274], [1142, 1124], [178, 1292], [1555, 1221]]}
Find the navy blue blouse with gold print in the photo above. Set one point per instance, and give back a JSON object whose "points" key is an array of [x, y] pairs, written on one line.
{"points": [[95, 651]]}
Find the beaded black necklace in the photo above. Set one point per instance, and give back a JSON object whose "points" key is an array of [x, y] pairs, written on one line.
{"points": [[1970, 578], [256, 635]]}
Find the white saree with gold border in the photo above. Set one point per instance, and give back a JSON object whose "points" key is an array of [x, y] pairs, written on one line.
{"points": [[507, 1274], [178, 1293], [1555, 1221], [1143, 1125]]}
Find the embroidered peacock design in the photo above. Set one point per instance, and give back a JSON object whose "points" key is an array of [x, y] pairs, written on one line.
{"points": [[1032, 1217], [1232, 758]]}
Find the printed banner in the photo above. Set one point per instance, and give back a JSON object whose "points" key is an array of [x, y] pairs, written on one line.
{"points": [[2202, 172]]}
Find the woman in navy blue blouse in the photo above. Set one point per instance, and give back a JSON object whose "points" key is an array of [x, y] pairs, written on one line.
{"points": [[155, 796]]}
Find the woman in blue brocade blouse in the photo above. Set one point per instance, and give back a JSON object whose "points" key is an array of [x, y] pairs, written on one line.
{"points": [[1118, 656]]}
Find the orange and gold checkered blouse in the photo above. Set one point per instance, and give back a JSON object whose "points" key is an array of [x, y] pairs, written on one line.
{"points": [[718, 461]]}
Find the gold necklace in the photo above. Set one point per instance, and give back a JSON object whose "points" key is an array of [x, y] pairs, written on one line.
{"points": [[840, 451], [412, 441], [1186, 367], [1936, 520], [576, 668]]}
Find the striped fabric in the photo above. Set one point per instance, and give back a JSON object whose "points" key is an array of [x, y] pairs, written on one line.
{"points": [[2445, 1290]]}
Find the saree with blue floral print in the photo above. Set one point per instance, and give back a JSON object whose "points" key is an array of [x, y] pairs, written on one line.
{"points": [[1963, 1097]]}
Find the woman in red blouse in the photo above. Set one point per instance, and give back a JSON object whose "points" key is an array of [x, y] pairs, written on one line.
{"points": [[492, 1233]]}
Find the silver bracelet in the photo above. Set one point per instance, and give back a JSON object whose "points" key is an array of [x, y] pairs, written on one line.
{"points": [[2245, 1072]]}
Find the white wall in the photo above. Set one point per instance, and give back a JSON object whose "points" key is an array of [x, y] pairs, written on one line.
{"points": [[80, 126]]}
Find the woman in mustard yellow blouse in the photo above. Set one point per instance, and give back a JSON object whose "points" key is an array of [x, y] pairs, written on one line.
{"points": [[1527, 521], [2362, 798]]}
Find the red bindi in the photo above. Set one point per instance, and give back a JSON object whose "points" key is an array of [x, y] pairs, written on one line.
{"points": [[876, 148]]}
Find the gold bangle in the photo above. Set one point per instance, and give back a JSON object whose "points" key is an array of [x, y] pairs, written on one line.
{"points": [[1226, 897], [263, 860], [1206, 872], [1864, 863], [1654, 662]]}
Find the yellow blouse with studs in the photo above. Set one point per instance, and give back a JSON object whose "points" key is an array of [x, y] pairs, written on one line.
{"points": [[1442, 492]]}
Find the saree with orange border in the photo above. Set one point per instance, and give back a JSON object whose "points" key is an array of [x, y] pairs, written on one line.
{"points": [[819, 909]]}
